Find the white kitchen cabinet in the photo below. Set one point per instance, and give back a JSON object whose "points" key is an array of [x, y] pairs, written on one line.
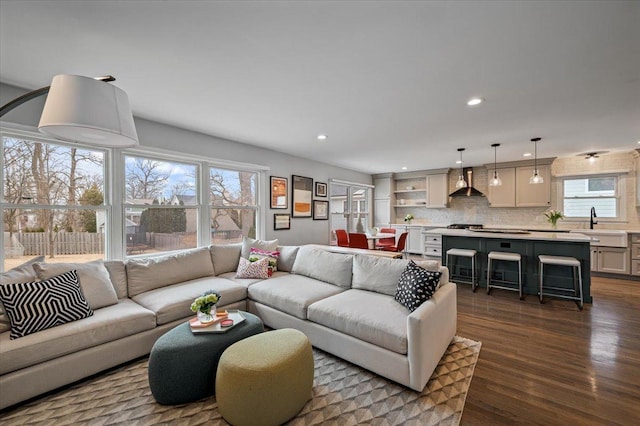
{"points": [[414, 241], [516, 191], [383, 200], [504, 195], [382, 187], [437, 187], [613, 260], [529, 195], [635, 254], [382, 212], [432, 246]]}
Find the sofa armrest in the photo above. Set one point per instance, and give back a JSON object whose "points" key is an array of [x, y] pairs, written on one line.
{"points": [[430, 329]]}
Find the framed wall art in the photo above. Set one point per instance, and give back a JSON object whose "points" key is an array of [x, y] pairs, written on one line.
{"points": [[281, 221], [321, 189], [320, 210], [279, 192], [301, 196]]}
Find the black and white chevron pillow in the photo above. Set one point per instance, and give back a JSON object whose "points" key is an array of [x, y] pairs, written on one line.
{"points": [[39, 305], [416, 285]]}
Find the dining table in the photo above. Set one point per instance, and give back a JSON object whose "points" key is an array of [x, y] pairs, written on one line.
{"points": [[371, 238]]}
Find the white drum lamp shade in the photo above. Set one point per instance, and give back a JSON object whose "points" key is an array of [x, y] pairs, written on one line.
{"points": [[83, 109]]}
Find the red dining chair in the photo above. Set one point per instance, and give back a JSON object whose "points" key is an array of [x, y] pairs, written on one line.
{"points": [[386, 242], [358, 241], [401, 243], [342, 237]]}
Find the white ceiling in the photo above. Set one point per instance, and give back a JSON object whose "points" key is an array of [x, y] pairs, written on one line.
{"points": [[387, 81]]}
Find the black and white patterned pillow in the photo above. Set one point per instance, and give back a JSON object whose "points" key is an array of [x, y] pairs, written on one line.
{"points": [[36, 306], [416, 285]]}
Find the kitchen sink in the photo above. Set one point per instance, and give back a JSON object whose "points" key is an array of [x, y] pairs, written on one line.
{"points": [[605, 237]]}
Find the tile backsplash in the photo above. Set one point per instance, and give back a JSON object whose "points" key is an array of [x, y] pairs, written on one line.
{"points": [[477, 210]]}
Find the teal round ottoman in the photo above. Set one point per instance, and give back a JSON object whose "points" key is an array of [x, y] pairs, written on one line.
{"points": [[265, 380], [183, 365]]}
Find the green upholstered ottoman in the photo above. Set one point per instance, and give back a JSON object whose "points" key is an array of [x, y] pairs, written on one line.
{"points": [[183, 365], [265, 379]]}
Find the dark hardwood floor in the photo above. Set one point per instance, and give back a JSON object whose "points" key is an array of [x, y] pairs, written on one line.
{"points": [[551, 363]]}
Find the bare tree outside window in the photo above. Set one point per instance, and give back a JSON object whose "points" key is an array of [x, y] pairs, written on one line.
{"points": [[43, 183]]}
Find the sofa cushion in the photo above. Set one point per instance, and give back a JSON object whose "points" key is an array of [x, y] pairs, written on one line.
{"points": [[225, 257], [107, 324], [287, 257], [377, 274], [37, 306], [291, 294], [152, 273], [247, 243], [248, 281], [173, 302], [258, 269], [94, 280], [118, 274], [416, 286], [333, 268], [373, 317], [20, 274]]}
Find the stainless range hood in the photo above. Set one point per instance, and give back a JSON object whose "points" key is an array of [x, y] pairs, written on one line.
{"points": [[469, 191]]}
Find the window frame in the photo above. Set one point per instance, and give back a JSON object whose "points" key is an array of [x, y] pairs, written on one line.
{"points": [[115, 195], [28, 134], [619, 192]]}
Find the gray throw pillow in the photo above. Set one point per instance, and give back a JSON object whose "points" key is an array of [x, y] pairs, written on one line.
{"points": [[247, 243]]}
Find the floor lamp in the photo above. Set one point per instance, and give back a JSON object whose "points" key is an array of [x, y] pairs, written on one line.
{"points": [[83, 109]]}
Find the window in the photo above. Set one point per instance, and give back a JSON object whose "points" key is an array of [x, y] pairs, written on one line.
{"points": [[234, 205], [600, 192], [59, 200], [161, 206], [53, 201], [349, 205]]}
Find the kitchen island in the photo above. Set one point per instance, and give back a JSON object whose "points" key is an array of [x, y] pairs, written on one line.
{"points": [[529, 245]]}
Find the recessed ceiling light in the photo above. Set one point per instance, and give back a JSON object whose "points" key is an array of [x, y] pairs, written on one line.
{"points": [[527, 154], [322, 137], [475, 101], [638, 141], [404, 168], [458, 161]]}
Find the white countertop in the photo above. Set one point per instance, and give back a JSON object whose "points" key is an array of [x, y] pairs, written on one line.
{"points": [[540, 236]]}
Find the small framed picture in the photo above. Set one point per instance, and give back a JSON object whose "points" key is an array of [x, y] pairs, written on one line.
{"points": [[301, 196], [321, 189], [320, 210], [281, 221], [279, 191]]}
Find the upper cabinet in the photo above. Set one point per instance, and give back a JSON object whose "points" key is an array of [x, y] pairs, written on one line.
{"points": [[516, 191], [429, 189], [437, 190], [382, 187], [505, 194], [530, 195]]}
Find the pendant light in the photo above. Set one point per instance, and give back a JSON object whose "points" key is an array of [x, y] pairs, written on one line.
{"points": [[496, 181], [535, 178], [461, 183]]}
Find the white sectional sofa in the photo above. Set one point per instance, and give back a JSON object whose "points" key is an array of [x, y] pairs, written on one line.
{"points": [[343, 303]]}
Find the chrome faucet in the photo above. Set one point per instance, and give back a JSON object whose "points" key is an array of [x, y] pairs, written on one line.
{"points": [[593, 216]]}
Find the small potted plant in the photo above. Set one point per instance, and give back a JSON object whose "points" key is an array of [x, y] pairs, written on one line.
{"points": [[408, 218], [205, 306], [553, 217]]}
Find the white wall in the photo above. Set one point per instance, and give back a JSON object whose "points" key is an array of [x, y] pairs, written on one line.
{"points": [[158, 135]]}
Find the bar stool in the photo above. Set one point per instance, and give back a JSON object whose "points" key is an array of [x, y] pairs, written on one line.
{"points": [[571, 262], [454, 252], [507, 257]]}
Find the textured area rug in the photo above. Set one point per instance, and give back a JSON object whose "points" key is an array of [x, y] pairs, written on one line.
{"points": [[343, 394]]}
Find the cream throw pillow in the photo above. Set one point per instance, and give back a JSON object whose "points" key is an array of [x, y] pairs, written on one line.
{"points": [[94, 280]]}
